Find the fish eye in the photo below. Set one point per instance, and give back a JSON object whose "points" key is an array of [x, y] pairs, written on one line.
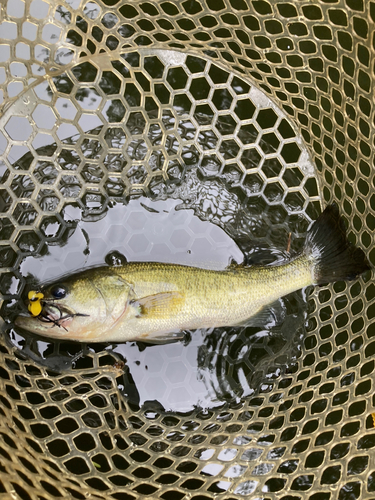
{"points": [[58, 292]]}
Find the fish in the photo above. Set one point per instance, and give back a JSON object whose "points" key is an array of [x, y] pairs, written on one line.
{"points": [[156, 302]]}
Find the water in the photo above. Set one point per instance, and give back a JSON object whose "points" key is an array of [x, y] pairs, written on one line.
{"points": [[211, 366], [211, 212]]}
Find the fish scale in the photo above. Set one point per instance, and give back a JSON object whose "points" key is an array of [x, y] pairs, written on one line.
{"points": [[156, 302], [213, 298]]}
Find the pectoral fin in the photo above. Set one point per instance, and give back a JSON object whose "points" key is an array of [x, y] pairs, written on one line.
{"points": [[160, 304]]}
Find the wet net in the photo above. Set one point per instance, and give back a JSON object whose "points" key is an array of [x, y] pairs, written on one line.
{"points": [[205, 130]]}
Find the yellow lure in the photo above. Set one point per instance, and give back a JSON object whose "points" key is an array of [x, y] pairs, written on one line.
{"points": [[35, 306]]}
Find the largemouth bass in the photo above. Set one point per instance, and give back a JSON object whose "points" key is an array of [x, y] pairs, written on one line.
{"points": [[155, 302]]}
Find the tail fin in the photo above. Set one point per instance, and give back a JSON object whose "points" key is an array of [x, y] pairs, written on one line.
{"points": [[334, 256]]}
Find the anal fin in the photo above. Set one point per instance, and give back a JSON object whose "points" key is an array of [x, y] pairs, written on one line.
{"points": [[271, 315], [166, 338]]}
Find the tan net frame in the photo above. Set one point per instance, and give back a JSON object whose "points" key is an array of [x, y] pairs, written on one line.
{"points": [[299, 73]]}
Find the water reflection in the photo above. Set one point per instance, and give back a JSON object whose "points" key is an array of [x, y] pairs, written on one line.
{"points": [[213, 366], [208, 213], [217, 365], [233, 362]]}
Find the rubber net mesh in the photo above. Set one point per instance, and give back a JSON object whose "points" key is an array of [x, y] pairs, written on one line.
{"points": [[220, 104]]}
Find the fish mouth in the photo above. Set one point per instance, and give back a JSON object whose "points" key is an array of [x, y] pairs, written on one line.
{"points": [[51, 316], [56, 315]]}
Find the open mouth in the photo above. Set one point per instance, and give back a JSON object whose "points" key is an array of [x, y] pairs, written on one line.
{"points": [[56, 315]]}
